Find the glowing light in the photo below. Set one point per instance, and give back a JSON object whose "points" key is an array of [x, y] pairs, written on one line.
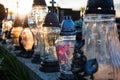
{"points": [[24, 7]]}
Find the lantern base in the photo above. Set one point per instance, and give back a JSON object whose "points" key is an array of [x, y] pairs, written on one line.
{"points": [[49, 66], [36, 59], [25, 54], [66, 77]]}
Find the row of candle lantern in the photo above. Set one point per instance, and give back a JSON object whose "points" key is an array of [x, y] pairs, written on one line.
{"points": [[56, 47], [54, 41], [45, 39]]}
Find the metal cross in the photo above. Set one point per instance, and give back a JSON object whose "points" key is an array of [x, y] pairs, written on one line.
{"points": [[52, 2]]}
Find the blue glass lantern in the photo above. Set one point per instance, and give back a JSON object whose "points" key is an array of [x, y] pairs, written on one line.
{"points": [[65, 48]]}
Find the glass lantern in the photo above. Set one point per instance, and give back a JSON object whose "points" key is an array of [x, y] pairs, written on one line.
{"points": [[35, 21], [48, 34], [15, 32], [26, 41], [99, 32], [6, 29], [65, 48], [6, 32]]}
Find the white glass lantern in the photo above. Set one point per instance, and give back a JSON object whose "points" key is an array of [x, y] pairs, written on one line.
{"points": [[100, 37], [35, 21], [65, 48]]}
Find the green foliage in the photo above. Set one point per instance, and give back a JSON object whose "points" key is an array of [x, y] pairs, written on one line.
{"points": [[11, 69]]}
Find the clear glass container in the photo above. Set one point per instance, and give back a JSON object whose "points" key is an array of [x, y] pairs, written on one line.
{"points": [[48, 35], [98, 33], [35, 21]]}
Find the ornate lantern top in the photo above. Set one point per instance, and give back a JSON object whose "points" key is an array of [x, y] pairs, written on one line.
{"points": [[39, 2], [100, 7], [51, 20], [68, 27]]}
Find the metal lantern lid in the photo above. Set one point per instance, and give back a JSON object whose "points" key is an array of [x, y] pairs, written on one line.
{"points": [[39, 2], [100, 7], [68, 27], [17, 22], [51, 20]]}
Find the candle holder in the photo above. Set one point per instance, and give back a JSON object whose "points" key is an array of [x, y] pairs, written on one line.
{"points": [[65, 48], [36, 19], [26, 41], [48, 34], [99, 23], [15, 32]]}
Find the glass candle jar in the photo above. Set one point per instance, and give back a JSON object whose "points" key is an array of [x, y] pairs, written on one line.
{"points": [[48, 34], [36, 19], [26, 41], [65, 48], [98, 29]]}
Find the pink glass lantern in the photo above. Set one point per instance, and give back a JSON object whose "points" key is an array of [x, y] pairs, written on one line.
{"points": [[65, 48]]}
